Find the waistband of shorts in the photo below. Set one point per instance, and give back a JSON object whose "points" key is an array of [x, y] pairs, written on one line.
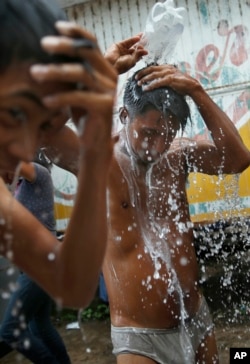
{"points": [[142, 330]]}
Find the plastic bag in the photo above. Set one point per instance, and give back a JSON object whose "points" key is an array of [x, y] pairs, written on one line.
{"points": [[164, 26]]}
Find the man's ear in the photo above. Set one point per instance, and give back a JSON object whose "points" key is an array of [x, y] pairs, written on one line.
{"points": [[123, 114]]}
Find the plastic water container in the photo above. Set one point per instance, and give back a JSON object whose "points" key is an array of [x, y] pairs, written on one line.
{"points": [[164, 26]]}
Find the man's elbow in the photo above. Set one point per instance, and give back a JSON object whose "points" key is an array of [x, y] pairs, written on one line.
{"points": [[243, 164], [239, 166]]}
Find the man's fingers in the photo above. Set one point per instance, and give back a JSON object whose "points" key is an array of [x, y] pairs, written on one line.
{"points": [[73, 30], [77, 74], [86, 100], [82, 47]]}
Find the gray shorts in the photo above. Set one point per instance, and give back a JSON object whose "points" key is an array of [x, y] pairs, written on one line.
{"points": [[173, 346]]}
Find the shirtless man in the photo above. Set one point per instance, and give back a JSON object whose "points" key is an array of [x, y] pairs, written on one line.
{"points": [[158, 313]]}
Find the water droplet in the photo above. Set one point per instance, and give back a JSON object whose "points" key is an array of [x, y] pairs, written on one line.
{"points": [[26, 344], [51, 257], [183, 261]]}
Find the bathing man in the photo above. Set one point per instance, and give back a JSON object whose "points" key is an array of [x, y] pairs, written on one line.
{"points": [[158, 313]]}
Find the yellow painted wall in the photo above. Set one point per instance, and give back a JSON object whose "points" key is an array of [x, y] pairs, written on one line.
{"points": [[207, 189]]}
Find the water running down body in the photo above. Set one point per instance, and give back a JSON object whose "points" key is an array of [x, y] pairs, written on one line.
{"points": [[150, 267]]}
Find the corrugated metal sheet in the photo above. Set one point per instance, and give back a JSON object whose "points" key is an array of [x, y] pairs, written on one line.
{"points": [[68, 3], [111, 20]]}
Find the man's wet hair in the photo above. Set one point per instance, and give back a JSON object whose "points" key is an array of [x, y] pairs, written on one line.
{"points": [[22, 25], [164, 99]]}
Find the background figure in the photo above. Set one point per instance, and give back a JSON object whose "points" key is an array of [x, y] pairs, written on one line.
{"points": [[27, 326]]}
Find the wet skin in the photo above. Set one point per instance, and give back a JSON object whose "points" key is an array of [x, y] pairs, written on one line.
{"points": [[150, 216], [135, 215]]}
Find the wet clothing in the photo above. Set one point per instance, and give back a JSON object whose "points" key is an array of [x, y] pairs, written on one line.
{"points": [[26, 325], [165, 346], [38, 197]]}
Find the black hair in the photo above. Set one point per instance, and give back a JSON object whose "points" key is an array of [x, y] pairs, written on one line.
{"points": [[22, 25], [164, 99]]}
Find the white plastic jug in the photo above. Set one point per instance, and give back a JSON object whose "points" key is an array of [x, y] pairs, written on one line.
{"points": [[164, 26]]}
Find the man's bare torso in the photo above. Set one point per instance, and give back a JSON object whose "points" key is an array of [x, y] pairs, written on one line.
{"points": [[150, 265]]}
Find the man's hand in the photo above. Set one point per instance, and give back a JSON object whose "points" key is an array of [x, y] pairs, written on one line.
{"points": [[125, 54], [87, 87], [166, 75]]}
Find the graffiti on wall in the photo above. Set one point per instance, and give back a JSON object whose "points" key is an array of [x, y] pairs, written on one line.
{"points": [[212, 63], [225, 73]]}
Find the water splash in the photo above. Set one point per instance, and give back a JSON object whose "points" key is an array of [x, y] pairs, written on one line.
{"points": [[155, 234]]}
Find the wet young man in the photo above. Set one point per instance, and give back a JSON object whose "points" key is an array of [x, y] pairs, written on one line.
{"points": [[158, 312], [52, 70]]}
